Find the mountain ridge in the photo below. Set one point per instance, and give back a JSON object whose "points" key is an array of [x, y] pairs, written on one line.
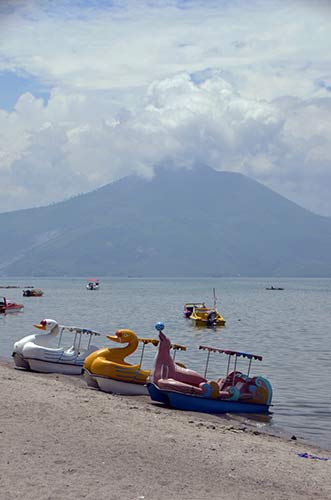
{"points": [[198, 222]]}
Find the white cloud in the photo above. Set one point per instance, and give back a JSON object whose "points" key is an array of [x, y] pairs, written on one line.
{"points": [[239, 86], [76, 142], [133, 43]]}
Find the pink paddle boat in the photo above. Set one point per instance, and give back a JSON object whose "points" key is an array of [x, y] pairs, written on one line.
{"points": [[185, 389]]}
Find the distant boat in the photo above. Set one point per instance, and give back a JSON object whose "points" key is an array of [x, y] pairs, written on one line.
{"points": [[7, 306], [36, 292], [274, 288], [93, 284], [189, 306], [206, 316]]}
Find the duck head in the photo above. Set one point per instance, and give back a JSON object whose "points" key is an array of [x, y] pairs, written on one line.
{"points": [[48, 324], [123, 336]]}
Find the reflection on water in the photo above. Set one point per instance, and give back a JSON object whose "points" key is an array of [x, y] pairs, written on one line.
{"points": [[289, 328]]}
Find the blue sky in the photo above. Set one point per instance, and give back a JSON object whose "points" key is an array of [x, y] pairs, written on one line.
{"points": [[13, 85], [95, 90]]}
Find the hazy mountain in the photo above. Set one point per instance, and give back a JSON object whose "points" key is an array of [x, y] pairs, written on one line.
{"points": [[180, 223]]}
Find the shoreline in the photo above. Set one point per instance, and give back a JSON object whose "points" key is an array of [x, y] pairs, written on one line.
{"points": [[61, 439]]}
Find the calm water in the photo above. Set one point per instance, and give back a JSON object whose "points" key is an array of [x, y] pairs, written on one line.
{"points": [[289, 328]]}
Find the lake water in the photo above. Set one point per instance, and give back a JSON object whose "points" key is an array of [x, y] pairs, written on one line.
{"points": [[289, 328]]}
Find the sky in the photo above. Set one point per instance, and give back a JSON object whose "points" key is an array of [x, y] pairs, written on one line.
{"points": [[94, 90]]}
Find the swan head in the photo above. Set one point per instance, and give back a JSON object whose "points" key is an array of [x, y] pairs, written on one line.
{"points": [[123, 336], [48, 324]]}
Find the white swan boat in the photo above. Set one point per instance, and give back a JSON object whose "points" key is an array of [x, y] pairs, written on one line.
{"points": [[36, 353]]}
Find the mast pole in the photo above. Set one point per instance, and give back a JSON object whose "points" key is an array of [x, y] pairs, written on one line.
{"points": [[142, 355], [207, 364]]}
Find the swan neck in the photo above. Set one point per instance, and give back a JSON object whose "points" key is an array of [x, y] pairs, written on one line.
{"points": [[120, 353], [54, 331]]}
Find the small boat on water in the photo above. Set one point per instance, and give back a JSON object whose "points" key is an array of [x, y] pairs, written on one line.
{"points": [[189, 306], [93, 284], [206, 317], [185, 389], [274, 288], [8, 306], [107, 369], [203, 316], [34, 292], [35, 352]]}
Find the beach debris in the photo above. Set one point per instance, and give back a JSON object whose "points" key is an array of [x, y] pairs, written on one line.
{"points": [[314, 457]]}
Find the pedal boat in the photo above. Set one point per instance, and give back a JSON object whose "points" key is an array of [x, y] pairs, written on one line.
{"points": [[189, 306], [8, 306], [35, 352], [206, 317], [107, 370], [184, 389]]}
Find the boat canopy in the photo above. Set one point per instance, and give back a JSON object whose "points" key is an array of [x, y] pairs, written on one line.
{"points": [[75, 329], [231, 353], [149, 341], [195, 304], [178, 347], [78, 334], [236, 354]]}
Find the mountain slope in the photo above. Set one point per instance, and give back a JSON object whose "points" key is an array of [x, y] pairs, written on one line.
{"points": [[180, 223]]}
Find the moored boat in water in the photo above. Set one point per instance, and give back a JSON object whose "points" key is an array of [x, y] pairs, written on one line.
{"points": [[93, 284], [8, 306], [206, 317], [203, 316], [34, 292], [189, 306]]}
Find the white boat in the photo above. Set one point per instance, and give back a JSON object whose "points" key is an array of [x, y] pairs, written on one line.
{"points": [[93, 284], [35, 352], [113, 386]]}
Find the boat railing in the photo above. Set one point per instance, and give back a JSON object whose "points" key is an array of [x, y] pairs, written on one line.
{"points": [[146, 341], [177, 347], [78, 332]]}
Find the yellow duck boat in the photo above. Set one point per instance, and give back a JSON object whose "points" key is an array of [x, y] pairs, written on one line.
{"points": [[107, 370]]}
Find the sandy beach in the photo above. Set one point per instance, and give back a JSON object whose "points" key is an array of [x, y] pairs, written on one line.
{"points": [[63, 440]]}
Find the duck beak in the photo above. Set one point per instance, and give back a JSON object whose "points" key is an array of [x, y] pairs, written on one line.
{"points": [[114, 338], [41, 327]]}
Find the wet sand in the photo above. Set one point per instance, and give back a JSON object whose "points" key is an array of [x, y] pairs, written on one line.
{"points": [[62, 440]]}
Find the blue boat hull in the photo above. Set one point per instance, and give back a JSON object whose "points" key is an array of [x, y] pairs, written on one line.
{"points": [[197, 403]]}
